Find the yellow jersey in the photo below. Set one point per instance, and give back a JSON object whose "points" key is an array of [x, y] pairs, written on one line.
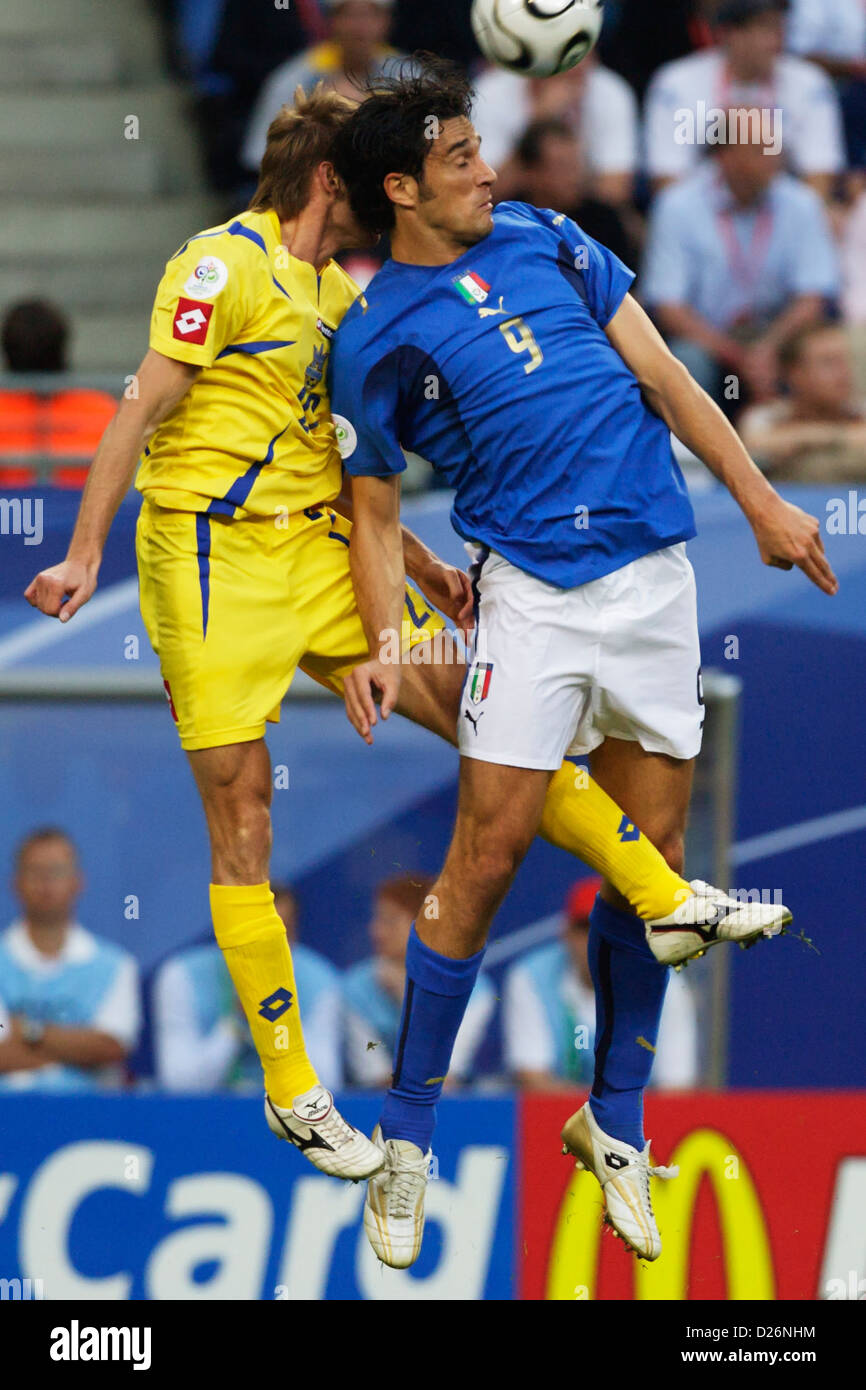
{"points": [[253, 435]]}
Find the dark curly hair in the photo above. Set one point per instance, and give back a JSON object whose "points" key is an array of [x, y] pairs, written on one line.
{"points": [[389, 133]]}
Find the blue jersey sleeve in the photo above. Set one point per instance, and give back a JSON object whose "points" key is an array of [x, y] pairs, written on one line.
{"points": [[365, 403], [599, 277]]}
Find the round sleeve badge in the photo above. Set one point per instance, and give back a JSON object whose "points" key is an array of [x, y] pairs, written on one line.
{"points": [[209, 277], [347, 436]]}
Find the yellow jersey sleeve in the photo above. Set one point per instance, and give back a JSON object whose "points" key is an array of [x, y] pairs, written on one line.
{"points": [[205, 298]]}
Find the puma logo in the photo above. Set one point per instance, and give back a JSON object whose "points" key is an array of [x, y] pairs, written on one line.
{"points": [[492, 313], [472, 720]]}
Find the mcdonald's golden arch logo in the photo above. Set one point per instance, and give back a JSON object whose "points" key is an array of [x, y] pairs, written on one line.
{"points": [[574, 1254]]}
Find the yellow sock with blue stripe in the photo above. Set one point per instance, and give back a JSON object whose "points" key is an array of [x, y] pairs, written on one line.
{"points": [[252, 938], [581, 818]]}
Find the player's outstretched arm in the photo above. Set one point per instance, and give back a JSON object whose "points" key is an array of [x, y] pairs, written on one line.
{"points": [[162, 383], [376, 556], [447, 588], [786, 535]]}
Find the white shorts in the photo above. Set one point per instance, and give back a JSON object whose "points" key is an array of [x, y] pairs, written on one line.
{"points": [[558, 671]]}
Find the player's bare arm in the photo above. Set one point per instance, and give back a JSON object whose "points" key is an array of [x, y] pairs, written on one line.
{"points": [[786, 535], [376, 555], [162, 382], [449, 589], [80, 1047], [18, 1055], [73, 1046]]}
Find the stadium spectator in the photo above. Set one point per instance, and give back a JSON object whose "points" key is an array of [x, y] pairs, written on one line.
{"points": [[854, 264], [444, 28], [598, 104], [373, 991], [550, 174], [202, 1040], [830, 32], [36, 422], [69, 1001], [231, 39], [548, 1012], [854, 114], [356, 52], [817, 432], [230, 47], [638, 38], [747, 69], [739, 256]]}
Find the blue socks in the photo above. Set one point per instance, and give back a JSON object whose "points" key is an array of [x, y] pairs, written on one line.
{"points": [[437, 992], [630, 988]]}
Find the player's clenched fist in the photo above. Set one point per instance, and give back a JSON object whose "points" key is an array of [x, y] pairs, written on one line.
{"points": [[63, 589], [375, 679]]}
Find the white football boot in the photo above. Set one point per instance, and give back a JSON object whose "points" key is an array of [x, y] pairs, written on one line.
{"points": [[624, 1174], [394, 1209], [708, 918], [315, 1126]]}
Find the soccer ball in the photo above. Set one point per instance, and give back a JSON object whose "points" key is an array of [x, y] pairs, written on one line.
{"points": [[537, 37]]}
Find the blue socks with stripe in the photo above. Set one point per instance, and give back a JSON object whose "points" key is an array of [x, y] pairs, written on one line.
{"points": [[437, 993], [630, 988]]}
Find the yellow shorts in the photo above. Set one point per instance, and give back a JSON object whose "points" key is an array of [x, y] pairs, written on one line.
{"points": [[233, 608]]}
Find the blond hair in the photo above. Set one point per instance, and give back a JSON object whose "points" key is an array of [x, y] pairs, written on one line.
{"points": [[300, 138]]}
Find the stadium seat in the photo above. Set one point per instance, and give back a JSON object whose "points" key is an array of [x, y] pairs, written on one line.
{"points": [[96, 142], [65, 425]]}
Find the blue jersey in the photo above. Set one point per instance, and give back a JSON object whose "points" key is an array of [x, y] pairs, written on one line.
{"points": [[497, 370]]}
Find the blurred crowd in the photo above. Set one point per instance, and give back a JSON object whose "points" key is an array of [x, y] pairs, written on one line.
{"points": [[75, 1013], [717, 146]]}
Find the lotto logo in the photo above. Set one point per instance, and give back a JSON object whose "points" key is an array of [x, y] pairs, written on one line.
{"points": [[615, 1161], [191, 322], [627, 831], [276, 1004]]}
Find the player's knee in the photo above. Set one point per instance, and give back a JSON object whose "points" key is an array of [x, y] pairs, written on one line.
{"points": [[673, 849], [492, 859]]}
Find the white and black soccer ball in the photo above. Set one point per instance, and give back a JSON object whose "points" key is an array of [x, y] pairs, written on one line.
{"points": [[537, 37]]}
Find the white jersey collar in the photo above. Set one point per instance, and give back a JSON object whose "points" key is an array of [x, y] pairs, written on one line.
{"points": [[79, 946]]}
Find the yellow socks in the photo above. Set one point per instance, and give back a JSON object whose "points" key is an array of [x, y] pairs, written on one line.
{"points": [[253, 941], [578, 817], [581, 818]]}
